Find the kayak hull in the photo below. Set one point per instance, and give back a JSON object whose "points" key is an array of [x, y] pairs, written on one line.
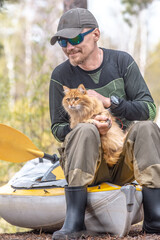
{"points": [[110, 208]]}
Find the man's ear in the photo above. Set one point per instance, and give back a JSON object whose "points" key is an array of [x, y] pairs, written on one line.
{"points": [[96, 33], [66, 89], [82, 89]]}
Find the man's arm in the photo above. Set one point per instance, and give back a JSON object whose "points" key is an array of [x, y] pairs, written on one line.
{"points": [[59, 118], [139, 104]]}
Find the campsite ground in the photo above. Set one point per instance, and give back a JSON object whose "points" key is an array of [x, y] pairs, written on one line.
{"points": [[135, 234]]}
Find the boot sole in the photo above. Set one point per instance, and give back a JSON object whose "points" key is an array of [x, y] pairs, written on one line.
{"points": [[75, 235]]}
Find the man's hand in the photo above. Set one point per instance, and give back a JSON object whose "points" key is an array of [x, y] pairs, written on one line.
{"points": [[106, 101], [103, 123]]}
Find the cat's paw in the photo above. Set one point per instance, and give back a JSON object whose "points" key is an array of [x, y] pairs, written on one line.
{"points": [[92, 121]]}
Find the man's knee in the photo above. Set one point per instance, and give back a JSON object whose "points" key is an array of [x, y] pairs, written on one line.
{"points": [[143, 129], [142, 125], [88, 131]]}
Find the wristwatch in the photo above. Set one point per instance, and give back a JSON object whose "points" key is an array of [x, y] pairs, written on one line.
{"points": [[115, 101]]}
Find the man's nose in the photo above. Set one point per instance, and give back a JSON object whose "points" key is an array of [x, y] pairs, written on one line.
{"points": [[69, 46]]}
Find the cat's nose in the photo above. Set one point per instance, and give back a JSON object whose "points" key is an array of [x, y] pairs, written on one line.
{"points": [[71, 106]]}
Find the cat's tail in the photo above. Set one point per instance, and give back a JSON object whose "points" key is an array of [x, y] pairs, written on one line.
{"points": [[111, 157]]}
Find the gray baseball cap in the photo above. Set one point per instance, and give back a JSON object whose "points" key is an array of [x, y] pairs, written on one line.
{"points": [[73, 22]]}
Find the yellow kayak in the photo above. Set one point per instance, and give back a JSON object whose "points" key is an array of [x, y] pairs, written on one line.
{"points": [[34, 198]]}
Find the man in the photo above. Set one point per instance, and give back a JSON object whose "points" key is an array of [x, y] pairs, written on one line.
{"points": [[114, 77]]}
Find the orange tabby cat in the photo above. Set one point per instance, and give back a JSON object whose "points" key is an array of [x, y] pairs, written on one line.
{"points": [[83, 108]]}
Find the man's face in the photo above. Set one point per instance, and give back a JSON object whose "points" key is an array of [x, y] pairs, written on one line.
{"points": [[78, 54]]}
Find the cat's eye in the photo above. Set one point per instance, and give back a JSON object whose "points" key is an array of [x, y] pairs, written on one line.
{"points": [[76, 98], [68, 99]]}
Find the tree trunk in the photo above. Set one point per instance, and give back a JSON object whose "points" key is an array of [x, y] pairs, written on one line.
{"points": [[68, 4], [28, 47], [141, 41], [9, 56]]}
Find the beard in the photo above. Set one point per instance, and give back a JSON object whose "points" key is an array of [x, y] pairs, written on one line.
{"points": [[74, 62], [78, 56], [77, 59]]}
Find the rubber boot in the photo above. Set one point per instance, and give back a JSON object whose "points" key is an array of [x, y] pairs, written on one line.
{"points": [[76, 201], [151, 205]]}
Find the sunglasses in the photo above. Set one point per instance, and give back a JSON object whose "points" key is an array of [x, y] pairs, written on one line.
{"points": [[74, 41]]}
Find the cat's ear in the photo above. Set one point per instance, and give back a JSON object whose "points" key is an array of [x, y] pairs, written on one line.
{"points": [[66, 89], [82, 89]]}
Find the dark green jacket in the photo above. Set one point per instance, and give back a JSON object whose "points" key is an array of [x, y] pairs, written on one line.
{"points": [[118, 75]]}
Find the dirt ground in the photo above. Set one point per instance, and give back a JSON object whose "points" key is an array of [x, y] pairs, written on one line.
{"points": [[135, 234]]}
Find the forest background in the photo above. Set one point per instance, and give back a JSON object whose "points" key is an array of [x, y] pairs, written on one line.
{"points": [[27, 58]]}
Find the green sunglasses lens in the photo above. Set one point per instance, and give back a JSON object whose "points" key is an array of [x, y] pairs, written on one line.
{"points": [[76, 40]]}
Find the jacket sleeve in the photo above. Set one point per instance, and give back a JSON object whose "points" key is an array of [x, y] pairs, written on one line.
{"points": [[59, 118], [139, 104]]}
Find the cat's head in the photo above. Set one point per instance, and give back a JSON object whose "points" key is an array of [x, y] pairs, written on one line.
{"points": [[75, 99]]}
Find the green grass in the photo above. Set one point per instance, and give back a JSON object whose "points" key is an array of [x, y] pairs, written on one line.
{"points": [[5, 227]]}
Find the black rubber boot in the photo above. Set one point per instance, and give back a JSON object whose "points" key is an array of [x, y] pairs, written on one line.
{"points": [[76, 201], [151, 205]]}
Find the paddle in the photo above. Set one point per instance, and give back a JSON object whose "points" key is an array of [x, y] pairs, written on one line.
{"points": [[17, 147]]}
